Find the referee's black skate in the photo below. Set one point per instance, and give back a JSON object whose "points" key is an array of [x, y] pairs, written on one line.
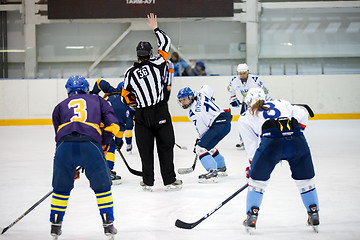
{"points": [[109, 229], [116, 179], [175, 186], [313, 218], [250, 221], [210, 177], [55, 226], [146, 187]]}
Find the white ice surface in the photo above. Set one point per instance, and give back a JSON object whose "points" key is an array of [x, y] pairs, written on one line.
{"points": [[26, 154]]}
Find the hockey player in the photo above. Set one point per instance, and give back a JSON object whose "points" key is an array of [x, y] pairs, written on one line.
{"points": [[78, 139], [125, 116], [243, 82], [212, 124], [272, 131]]}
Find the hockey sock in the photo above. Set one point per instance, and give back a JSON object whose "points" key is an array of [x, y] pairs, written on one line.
{"points": [[310, 198], [105, 203], [253, 199], [208, 161], [219, 159], [128, 136], [110, 156], [59, 202]]}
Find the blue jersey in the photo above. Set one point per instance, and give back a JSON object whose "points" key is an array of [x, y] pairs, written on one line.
{"points": [[122, 112], [83, 113]]}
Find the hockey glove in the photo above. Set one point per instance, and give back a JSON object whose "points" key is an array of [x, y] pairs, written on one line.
{"points": [[247, 170], [118, 142], [234, 101]]}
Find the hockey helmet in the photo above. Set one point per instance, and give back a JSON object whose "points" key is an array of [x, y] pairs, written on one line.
{"points": [[183, 93], [120, 86], [242, 67], [144, 49], [253, 95], [76, 84], [200, 64]]}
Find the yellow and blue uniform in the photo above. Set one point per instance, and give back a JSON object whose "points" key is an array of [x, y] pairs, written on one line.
{"points": [[79, 141], [124, 114]]}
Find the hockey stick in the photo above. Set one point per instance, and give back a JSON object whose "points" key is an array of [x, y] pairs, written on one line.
{"points": [[137, 173], [31, 208], [188, 170], [311, 113], [184, 225], [181, 147]]}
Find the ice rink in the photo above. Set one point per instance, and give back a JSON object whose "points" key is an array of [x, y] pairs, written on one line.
{"points": [[26, 154]]}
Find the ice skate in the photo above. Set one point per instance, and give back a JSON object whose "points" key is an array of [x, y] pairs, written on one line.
{"points": [[222, 172], [129, 148], [250, 221], [175, 186], [240, 146], [108, 225], [210, 177], [313, 218], [56, 226], [146, 187], [116, 179]]}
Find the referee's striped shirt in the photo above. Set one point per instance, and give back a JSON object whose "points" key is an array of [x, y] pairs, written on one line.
{"points": [[146, 80]]}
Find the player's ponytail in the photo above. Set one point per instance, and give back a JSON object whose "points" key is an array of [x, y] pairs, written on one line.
{"points": [[257, 107]]}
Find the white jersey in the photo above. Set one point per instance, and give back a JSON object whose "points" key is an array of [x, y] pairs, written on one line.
{"points": [[203, 111], [250, 125], [252, 82]]}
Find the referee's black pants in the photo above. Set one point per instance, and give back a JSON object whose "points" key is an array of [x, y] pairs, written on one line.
{"points": [[155, 123]]}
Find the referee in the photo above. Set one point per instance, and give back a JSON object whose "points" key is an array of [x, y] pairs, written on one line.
{"points": [[144, 88]]}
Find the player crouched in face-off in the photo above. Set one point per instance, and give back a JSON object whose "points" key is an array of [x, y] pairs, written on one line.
{"points": [[212, 124], [278, 127], [78, 139]]}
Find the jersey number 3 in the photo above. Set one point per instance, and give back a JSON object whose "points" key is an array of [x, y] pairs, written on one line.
{"points": [[80, 112]]}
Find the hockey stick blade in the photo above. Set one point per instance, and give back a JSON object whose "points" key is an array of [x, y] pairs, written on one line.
{"points": [[184, 225], [185, 170], [135, 172], [4, 230], [311, 113]]}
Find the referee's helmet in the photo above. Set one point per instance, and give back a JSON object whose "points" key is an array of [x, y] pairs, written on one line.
{"points": [[144, 49]]}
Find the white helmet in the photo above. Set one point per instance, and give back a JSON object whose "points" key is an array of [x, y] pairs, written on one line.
{"points": [[242, 67], [207, 90], [253, 95]]}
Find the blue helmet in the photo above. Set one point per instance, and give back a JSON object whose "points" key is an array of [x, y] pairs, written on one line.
{"points": [[120, 86], [76, 84], [200, 64], [183, 93]]}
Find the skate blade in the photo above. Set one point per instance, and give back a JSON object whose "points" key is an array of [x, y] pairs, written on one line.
{"points": [[250, 230], [116, 182], [173, 189], [110, 237], [222, 174], [147, 189], [55, 237], [210, 180], [315, 228]]}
